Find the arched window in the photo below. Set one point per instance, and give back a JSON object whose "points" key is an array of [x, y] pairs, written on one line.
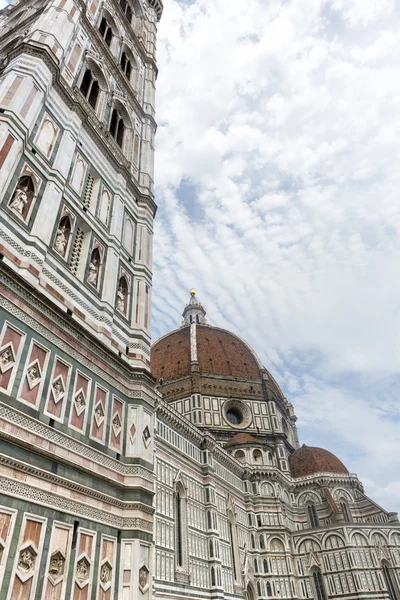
{"points": [[253, 541], [390, 580], [268, 589], [319, 588], [90, 88], [312, 515], [126, 9], [178, 521], [209, 519], [213, 583], [117, 127], [128, 235], [126, 65], [240, 456], [344, 507], [262, 544], [265, 566], [257, 456], [259, 588], [211, 549], [106, 31], [259, 521], [180, 517], [233, 543], [255, 565]]}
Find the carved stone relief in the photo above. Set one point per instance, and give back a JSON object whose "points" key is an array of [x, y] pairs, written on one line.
{"points": [[58, 389], [116, 425], [56, 567], [146, 436], [106, 575], [26, 562], [79, 402], [99, 414], [34, 374], [7, 358], [82, 575], [143, 579]]}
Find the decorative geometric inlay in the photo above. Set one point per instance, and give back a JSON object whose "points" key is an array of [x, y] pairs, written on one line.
{"points": [[7, 358], [99, 414], [82, 575], [58, 389], [132, 432], [34, 374], [143, 579], [26, 562], [146, 436], [116, 425], [79, 402], [56, 567], [106, 574]]}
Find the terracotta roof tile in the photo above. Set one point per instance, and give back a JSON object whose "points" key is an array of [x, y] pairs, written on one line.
{"points": [[308, 460], [170, 356]]}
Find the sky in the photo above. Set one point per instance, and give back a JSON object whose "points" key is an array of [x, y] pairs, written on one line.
{"points": [[277, 181]]}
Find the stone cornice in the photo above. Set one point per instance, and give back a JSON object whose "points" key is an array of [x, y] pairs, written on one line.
{"points": [[75, 487]]}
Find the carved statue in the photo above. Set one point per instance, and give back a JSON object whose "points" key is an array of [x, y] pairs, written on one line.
{"points": [[61, 240], [121, 299], [93, 271], [20, 199]]}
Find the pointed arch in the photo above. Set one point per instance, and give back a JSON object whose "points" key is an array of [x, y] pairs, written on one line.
{"points": [[318, 584], [234, 542], [390, 580], [181, 525]]}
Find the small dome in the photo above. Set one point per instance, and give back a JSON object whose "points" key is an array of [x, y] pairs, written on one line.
{"points": [[308, 460]]}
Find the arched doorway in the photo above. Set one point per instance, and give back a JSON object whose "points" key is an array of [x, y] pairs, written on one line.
{"points": [[250, 593]]}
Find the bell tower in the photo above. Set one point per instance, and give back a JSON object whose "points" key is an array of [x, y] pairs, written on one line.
{"points": [[77, 128]]}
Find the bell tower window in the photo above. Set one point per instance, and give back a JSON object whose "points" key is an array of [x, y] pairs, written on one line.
{"points": [[312, 515], [90, 88], [106, 31], [117, 127]]}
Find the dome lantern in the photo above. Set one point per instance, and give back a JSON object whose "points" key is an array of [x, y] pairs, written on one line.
{"points": [[194, 312]]}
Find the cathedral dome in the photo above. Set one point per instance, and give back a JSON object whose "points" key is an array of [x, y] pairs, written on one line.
{"points": [[309, 460], [219, 352]]}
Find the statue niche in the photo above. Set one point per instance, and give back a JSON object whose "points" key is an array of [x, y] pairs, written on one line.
{"points": [[63, 234], [94, 268], [23, 196], [122, 295]]}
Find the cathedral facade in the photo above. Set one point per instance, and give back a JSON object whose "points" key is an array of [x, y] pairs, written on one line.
{"points": [[129, 472]]}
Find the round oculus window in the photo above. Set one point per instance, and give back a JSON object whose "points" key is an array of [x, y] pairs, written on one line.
{"points": [[234, 416]]}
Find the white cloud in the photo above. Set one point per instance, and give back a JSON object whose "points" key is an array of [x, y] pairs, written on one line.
{"points": [[282, 119]]}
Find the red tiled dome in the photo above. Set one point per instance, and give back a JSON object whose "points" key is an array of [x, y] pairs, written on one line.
{"points": [[308, 460], [219, 352]]}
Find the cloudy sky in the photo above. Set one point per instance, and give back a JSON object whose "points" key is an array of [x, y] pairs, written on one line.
{"points": [[278, 185]]}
